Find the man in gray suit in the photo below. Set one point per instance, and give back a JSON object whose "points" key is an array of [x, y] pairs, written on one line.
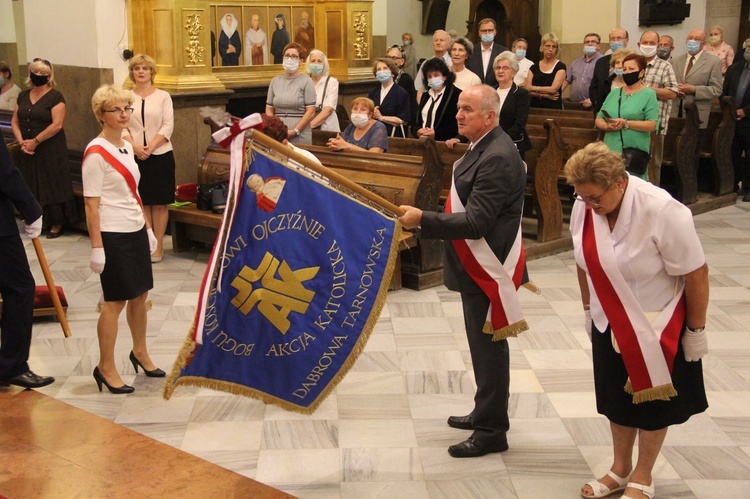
{"points": [[489, 183], [698, 74]]}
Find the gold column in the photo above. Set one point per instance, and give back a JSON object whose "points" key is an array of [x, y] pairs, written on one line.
{"points": [[177, 33]]}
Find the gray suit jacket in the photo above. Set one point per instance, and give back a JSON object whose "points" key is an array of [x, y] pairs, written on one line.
{"points": [[706, 76], [490, 182]]}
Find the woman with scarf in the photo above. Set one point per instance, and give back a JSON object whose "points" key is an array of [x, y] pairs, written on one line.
{"points": [[292, 97], [644, 287]]}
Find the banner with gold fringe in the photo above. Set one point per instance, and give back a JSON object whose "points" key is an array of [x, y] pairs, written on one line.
{"points": [[289, 301]]}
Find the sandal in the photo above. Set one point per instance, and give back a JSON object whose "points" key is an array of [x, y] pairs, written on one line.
{"points": [[601, 490], [648, 490]]}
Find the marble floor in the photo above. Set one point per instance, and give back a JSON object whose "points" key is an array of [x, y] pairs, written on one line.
{"points": [[383, 432]]}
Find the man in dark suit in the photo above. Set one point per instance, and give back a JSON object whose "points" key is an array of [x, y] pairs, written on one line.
{"points": [[481, 60], [737, 86], [600, 82], [16, 281], [489, 185]]}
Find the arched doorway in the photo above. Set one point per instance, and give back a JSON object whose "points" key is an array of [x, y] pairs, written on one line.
{"points": [[514, 18]]}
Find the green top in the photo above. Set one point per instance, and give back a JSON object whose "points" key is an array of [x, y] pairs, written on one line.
{"points": [[640, 106]]}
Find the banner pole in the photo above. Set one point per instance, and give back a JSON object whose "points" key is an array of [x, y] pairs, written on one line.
{"points": [[51, 285], [266, 141]]}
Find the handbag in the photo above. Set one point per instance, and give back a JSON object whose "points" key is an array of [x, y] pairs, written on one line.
{"points": [[206, 200], [636, 160], [393, 130]]}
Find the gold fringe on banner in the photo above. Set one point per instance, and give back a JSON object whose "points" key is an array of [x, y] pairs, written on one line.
{"points": [[506, 332], [661, 392]]}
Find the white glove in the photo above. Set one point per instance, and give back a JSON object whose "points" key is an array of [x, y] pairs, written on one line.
{"points": [[587, 322], [96, 264], [34, 229], [152, 242], [694, 345]]}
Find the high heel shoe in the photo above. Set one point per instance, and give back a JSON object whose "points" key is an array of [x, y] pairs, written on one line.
{"points": [[155, 373], [112, 389]]}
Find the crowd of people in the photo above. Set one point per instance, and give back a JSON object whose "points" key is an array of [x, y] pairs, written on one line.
{"points": [[478, 94]]}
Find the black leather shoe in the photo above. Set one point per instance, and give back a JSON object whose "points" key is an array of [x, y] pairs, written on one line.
{"points": [[473, 447], [28, 380], [746, 198], [460, 422]]}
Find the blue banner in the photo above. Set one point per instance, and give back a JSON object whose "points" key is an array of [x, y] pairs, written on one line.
{"points": [[289, 305]]}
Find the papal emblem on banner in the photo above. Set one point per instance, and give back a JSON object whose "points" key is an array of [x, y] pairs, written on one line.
{"points": [[289, 303]]}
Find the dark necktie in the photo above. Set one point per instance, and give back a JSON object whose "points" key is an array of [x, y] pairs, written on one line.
{"points": [[689, 67], [430, 110]]}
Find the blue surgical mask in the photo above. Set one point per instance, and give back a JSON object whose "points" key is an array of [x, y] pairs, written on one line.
{"points": [[693, 46], [589, 50], [2, 81], [488, 38], [406, 42], [520, 54], [384, 76], [616, 46], [435, 83], [315, 69], [618, 72]]}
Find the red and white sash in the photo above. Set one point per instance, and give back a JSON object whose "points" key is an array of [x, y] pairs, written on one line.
{"points": [[117, 165], [499, 281], [648, 349]]}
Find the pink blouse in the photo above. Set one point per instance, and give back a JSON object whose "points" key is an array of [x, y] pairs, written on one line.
{"points": [[724, 51]]}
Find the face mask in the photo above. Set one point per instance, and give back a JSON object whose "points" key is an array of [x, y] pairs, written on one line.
{"points": [[520, 54], [693, 46], [38, 80], [384, 76], [359, 120], [648, 50], [435, 83], [290, 65], [618, 72], [631, 78], [663, 53], [406, 42], [2, 81], [616, 46], [488, 38], [589, 50], [747, 55], [714, 40], [315, 69]]}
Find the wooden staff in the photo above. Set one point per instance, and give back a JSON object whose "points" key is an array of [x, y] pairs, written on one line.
{"points": [[51, 285], [337, 178]]}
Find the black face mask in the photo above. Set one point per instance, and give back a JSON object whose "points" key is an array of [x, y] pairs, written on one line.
{"points": [[38, 80], [631, 78]]}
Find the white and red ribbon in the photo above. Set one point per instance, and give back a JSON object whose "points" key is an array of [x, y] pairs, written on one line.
{"points": [[499, 281], [648, 349]]}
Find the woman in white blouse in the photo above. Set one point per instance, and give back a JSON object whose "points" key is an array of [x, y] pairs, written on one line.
{"points": [[121, 237], [150, 130], [460, 52], [326, 92]]}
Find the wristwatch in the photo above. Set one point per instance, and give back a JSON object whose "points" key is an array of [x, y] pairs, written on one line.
{"points": [[696, 330], [627, 123], [296, 132]]}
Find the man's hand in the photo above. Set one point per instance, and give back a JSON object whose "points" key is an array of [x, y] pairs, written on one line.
{"points": [[412, 218], [686, 89]]}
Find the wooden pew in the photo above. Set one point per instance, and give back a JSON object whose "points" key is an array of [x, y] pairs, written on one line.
{"points": [[563, 121], [561, 113], [5, 128], [716, 146], [680, 160]]}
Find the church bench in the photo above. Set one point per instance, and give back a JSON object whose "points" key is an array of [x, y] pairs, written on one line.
{"points": [[715, 148], [563, 120], [679, 167], [561, 113]]}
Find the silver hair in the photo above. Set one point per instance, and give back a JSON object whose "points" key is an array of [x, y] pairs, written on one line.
{"points": [[507, 56]]}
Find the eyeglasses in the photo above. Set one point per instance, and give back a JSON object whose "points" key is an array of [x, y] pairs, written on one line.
{"points": [[45, 61], [595, 202], [502, 68], [118, 110], [395, 57], [292, 57]]}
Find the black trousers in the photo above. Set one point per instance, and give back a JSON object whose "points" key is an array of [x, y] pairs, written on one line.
{"points": [[491, 361], [741, 143], [17, 290]]}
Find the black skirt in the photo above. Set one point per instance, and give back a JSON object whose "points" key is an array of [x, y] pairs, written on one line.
{"points": [[617, 405], [156, 186], [127, 269]]}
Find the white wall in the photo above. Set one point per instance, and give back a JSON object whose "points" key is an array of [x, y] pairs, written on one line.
{"points": [[82, 33], [406, 15], [7, 27]]}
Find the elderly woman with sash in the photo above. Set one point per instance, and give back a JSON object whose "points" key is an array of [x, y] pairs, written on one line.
{"points": [[644, 286], [121, 237]]}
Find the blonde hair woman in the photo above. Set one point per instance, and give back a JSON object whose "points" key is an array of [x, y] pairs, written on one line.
{"points": [[544, 81], [37, 125], [150, 131], [120, 234]]}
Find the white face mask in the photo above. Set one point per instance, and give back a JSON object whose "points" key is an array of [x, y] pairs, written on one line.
{"points": [[435, 82], [648, 50], [290, 65], [360, 119]]}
